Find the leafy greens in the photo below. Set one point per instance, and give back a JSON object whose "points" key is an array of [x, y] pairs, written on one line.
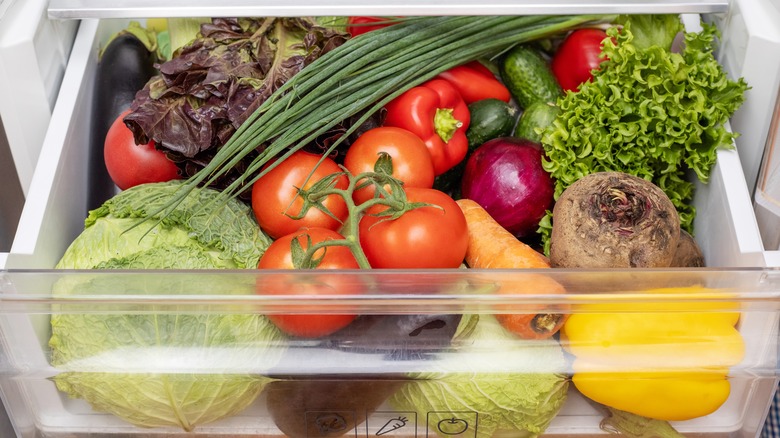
{"points": [[214, 83], [162, 367], [211, 85], [201, 233], [517, 386], [648, 111]]}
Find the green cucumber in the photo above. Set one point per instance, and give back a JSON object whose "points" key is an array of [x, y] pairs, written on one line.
{"points": [[528, 76], [539, 115], [490, 118]]}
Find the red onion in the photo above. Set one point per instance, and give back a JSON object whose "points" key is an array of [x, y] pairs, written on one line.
{"points": [[505, 176]]}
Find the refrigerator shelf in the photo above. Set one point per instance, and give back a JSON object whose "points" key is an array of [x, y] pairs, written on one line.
{"points": [[81, 9]]}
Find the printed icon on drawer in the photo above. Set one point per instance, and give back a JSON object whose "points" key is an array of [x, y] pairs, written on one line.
{"points": [[453, 424], [392, 423], [329, 423]]}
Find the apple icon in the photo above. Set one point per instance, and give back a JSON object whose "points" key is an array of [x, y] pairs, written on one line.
{"points": [[453, 426]]}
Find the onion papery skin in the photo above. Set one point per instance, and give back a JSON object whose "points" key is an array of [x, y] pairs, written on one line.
{"points": [[505, 176]]}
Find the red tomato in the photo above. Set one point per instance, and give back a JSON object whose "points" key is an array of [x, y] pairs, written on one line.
{"points": [[275, 198], [577, 56], [130, 164], [426, 237], [412, 162], [308, 282], [360, 25]]}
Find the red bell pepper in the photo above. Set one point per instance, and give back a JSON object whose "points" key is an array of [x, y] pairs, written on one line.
{"points": [[436, 113], [475, 82], [360, 25]]}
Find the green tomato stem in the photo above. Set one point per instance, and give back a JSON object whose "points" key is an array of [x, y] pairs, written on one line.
{"points": [[445, 124]]}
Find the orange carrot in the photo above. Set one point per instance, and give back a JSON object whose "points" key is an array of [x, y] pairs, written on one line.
{"points": [[492, 246]]}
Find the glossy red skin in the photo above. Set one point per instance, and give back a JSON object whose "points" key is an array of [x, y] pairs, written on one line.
{"points": [[278, 256], [434, 237], [415, 109], [578, 55], [363, 24], [476, 82], [411, 160], [275, 196], [503, 163], [130, 164]]}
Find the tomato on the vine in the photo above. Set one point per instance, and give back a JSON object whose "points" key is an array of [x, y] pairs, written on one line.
{"points": [[277, 203], [411, 160], [577, 56], [433, 236], [130, 164], [279, 255]]}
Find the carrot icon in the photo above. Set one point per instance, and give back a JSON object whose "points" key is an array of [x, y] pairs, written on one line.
{"points": [[391, 425]]}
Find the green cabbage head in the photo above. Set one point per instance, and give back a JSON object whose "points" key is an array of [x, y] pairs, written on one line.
{"points": [[492, 384], [163, 365]]}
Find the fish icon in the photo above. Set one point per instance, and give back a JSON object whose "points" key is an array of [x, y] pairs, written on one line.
{"points": [[391, 425]]}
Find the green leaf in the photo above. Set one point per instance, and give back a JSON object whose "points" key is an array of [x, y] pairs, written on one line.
{"points": [[182, 30], [653, 29], [140, 366], [172, 400], [147, 37], [519, 396], [119, 363], [201, 223]]}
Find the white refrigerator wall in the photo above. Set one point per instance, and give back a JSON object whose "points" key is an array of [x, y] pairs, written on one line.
{"points": [[34, 52], [750, 48]]}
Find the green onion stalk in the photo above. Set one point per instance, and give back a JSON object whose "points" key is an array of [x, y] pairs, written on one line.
{"points": [[363, 75]]}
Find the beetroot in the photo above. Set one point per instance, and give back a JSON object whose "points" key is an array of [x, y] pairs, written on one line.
{"points": [[614, 220]]}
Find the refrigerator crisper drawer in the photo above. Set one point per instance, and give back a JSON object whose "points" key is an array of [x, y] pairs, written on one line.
{"points": [[190, 352]]}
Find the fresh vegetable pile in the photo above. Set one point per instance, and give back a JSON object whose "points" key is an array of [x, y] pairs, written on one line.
{"points": [[648, 111], [526, 143]]}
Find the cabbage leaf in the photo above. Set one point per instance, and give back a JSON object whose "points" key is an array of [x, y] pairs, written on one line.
{"points": [[163, 367], [204, 232], [492, 380]]}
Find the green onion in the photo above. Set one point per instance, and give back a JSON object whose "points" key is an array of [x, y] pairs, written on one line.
{"points": [[364, 74]]}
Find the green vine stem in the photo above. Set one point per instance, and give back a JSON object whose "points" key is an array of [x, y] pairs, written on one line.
{"points": [[393, 198]]}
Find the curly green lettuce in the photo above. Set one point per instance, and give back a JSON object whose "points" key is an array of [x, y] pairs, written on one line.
{"points": [[648, 111]]}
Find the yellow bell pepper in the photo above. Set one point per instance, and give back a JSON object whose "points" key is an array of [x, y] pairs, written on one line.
{"points": [[666, 360]]}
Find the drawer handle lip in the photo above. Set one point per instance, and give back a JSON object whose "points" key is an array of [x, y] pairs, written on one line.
{"points": [[88, 9]]}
